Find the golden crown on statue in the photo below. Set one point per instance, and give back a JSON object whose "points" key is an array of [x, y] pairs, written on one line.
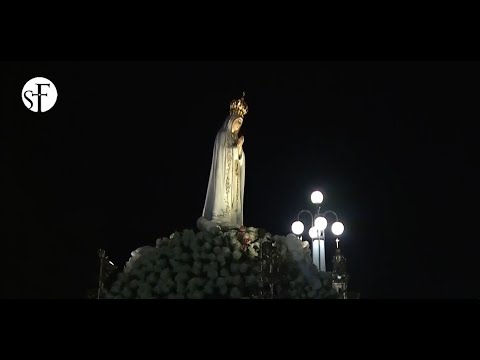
{"points": [[239, 106]]}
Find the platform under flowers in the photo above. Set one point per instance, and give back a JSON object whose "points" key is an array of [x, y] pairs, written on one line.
{"points": [[239, 263]]}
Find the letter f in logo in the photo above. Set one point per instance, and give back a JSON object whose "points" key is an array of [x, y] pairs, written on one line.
{"points": [[39, 94]]}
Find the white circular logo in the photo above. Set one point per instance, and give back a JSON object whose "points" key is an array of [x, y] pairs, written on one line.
{"points": [[39, 94]]}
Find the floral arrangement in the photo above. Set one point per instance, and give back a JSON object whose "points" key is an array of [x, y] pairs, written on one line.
{"points": [[237, 263]]}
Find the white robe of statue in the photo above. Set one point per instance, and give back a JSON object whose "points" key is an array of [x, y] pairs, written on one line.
{"points": [[224, 200]]}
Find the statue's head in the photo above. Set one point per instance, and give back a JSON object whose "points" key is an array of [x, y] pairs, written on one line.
{"points": [[238, 109], [237, 124]]}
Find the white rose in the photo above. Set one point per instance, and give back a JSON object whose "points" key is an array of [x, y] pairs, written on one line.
{"points": [[221, 259], [221, 282], [181, 288], [217, 241], [115, 288], [237, 280], [251, 280], [223, 290], [165, 274], [152, 278], [197, 268], [234, 268], [226, 252], [127, 293], [181, 277], [243, 268], [208, 288], [235, 293], [212, 274], [224, 272], [197, 294]]}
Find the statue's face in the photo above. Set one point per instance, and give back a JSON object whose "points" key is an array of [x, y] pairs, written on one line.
{"points": [[237, 124]]}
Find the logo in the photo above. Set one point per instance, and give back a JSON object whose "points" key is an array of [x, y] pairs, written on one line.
{"points": [[39, 94]]}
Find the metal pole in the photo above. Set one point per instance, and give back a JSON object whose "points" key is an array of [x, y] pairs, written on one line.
{"points": [[322, 251], [305, 211], [316, 253], [101, 254]]}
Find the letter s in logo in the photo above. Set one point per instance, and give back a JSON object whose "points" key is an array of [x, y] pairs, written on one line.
{"points": [[29, 100]]}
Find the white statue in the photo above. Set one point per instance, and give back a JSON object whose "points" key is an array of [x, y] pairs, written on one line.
{"points": [[224, 200]]}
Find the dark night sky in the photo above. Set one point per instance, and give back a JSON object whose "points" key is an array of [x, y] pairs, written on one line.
{"points": [[124, 156]]}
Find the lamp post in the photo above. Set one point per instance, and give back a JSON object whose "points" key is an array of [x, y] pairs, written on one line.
{"points": [[317, 230]]}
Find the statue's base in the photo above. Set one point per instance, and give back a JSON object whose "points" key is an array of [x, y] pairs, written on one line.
{"points": [[203, 224], [229, 264]]}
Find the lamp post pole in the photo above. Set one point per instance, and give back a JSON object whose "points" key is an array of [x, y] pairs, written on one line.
{"points": [[321, 240], [317, 244], [101, 255]]}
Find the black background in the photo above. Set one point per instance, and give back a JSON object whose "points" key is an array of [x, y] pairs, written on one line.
{"points": [[124, 156]]}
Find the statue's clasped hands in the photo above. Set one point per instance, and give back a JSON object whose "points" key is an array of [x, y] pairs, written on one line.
{"points": [[240, 142]]}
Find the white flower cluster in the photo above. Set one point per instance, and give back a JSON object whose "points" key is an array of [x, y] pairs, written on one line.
{"points": [[304, 279], [217, 265]]}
